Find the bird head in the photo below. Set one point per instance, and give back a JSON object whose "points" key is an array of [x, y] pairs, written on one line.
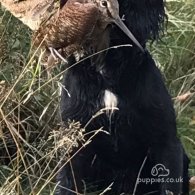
{"points": [[110, 14]]}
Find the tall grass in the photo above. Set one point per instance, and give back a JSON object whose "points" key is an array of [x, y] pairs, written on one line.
{"points": [[32, 141]]}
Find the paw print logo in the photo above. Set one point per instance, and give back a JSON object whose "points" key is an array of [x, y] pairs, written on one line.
{"points": [[160, 170]]}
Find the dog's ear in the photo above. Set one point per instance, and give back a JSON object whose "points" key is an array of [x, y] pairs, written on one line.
{"points": [[145, 18]]}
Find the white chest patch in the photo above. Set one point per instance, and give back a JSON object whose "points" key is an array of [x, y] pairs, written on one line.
{"points": [[110, 101]]}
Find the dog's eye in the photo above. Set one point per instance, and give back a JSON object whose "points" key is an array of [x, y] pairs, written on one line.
{"points": [[103, 3]]}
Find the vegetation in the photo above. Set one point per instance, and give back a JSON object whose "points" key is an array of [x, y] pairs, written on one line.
{"points": [[30, 132]]}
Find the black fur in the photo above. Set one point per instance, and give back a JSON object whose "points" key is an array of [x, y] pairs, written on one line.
{"points": [[144, 126]]}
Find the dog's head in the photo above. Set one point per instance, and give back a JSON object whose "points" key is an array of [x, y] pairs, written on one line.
{"points": [[145, 18]]}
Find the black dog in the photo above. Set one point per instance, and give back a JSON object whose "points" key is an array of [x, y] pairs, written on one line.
{"points": [[141, 153]]}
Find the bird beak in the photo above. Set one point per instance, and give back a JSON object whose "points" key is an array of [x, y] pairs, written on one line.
{"points": [[123, 27]]}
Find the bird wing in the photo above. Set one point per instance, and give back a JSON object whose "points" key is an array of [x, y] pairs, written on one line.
{"points": [[72, 24]]}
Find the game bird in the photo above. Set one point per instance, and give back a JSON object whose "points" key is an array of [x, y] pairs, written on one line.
{"points": [[78, 25]]}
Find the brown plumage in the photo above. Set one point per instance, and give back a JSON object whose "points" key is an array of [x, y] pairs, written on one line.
{"points": [[78, 24], [69, 28]]}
